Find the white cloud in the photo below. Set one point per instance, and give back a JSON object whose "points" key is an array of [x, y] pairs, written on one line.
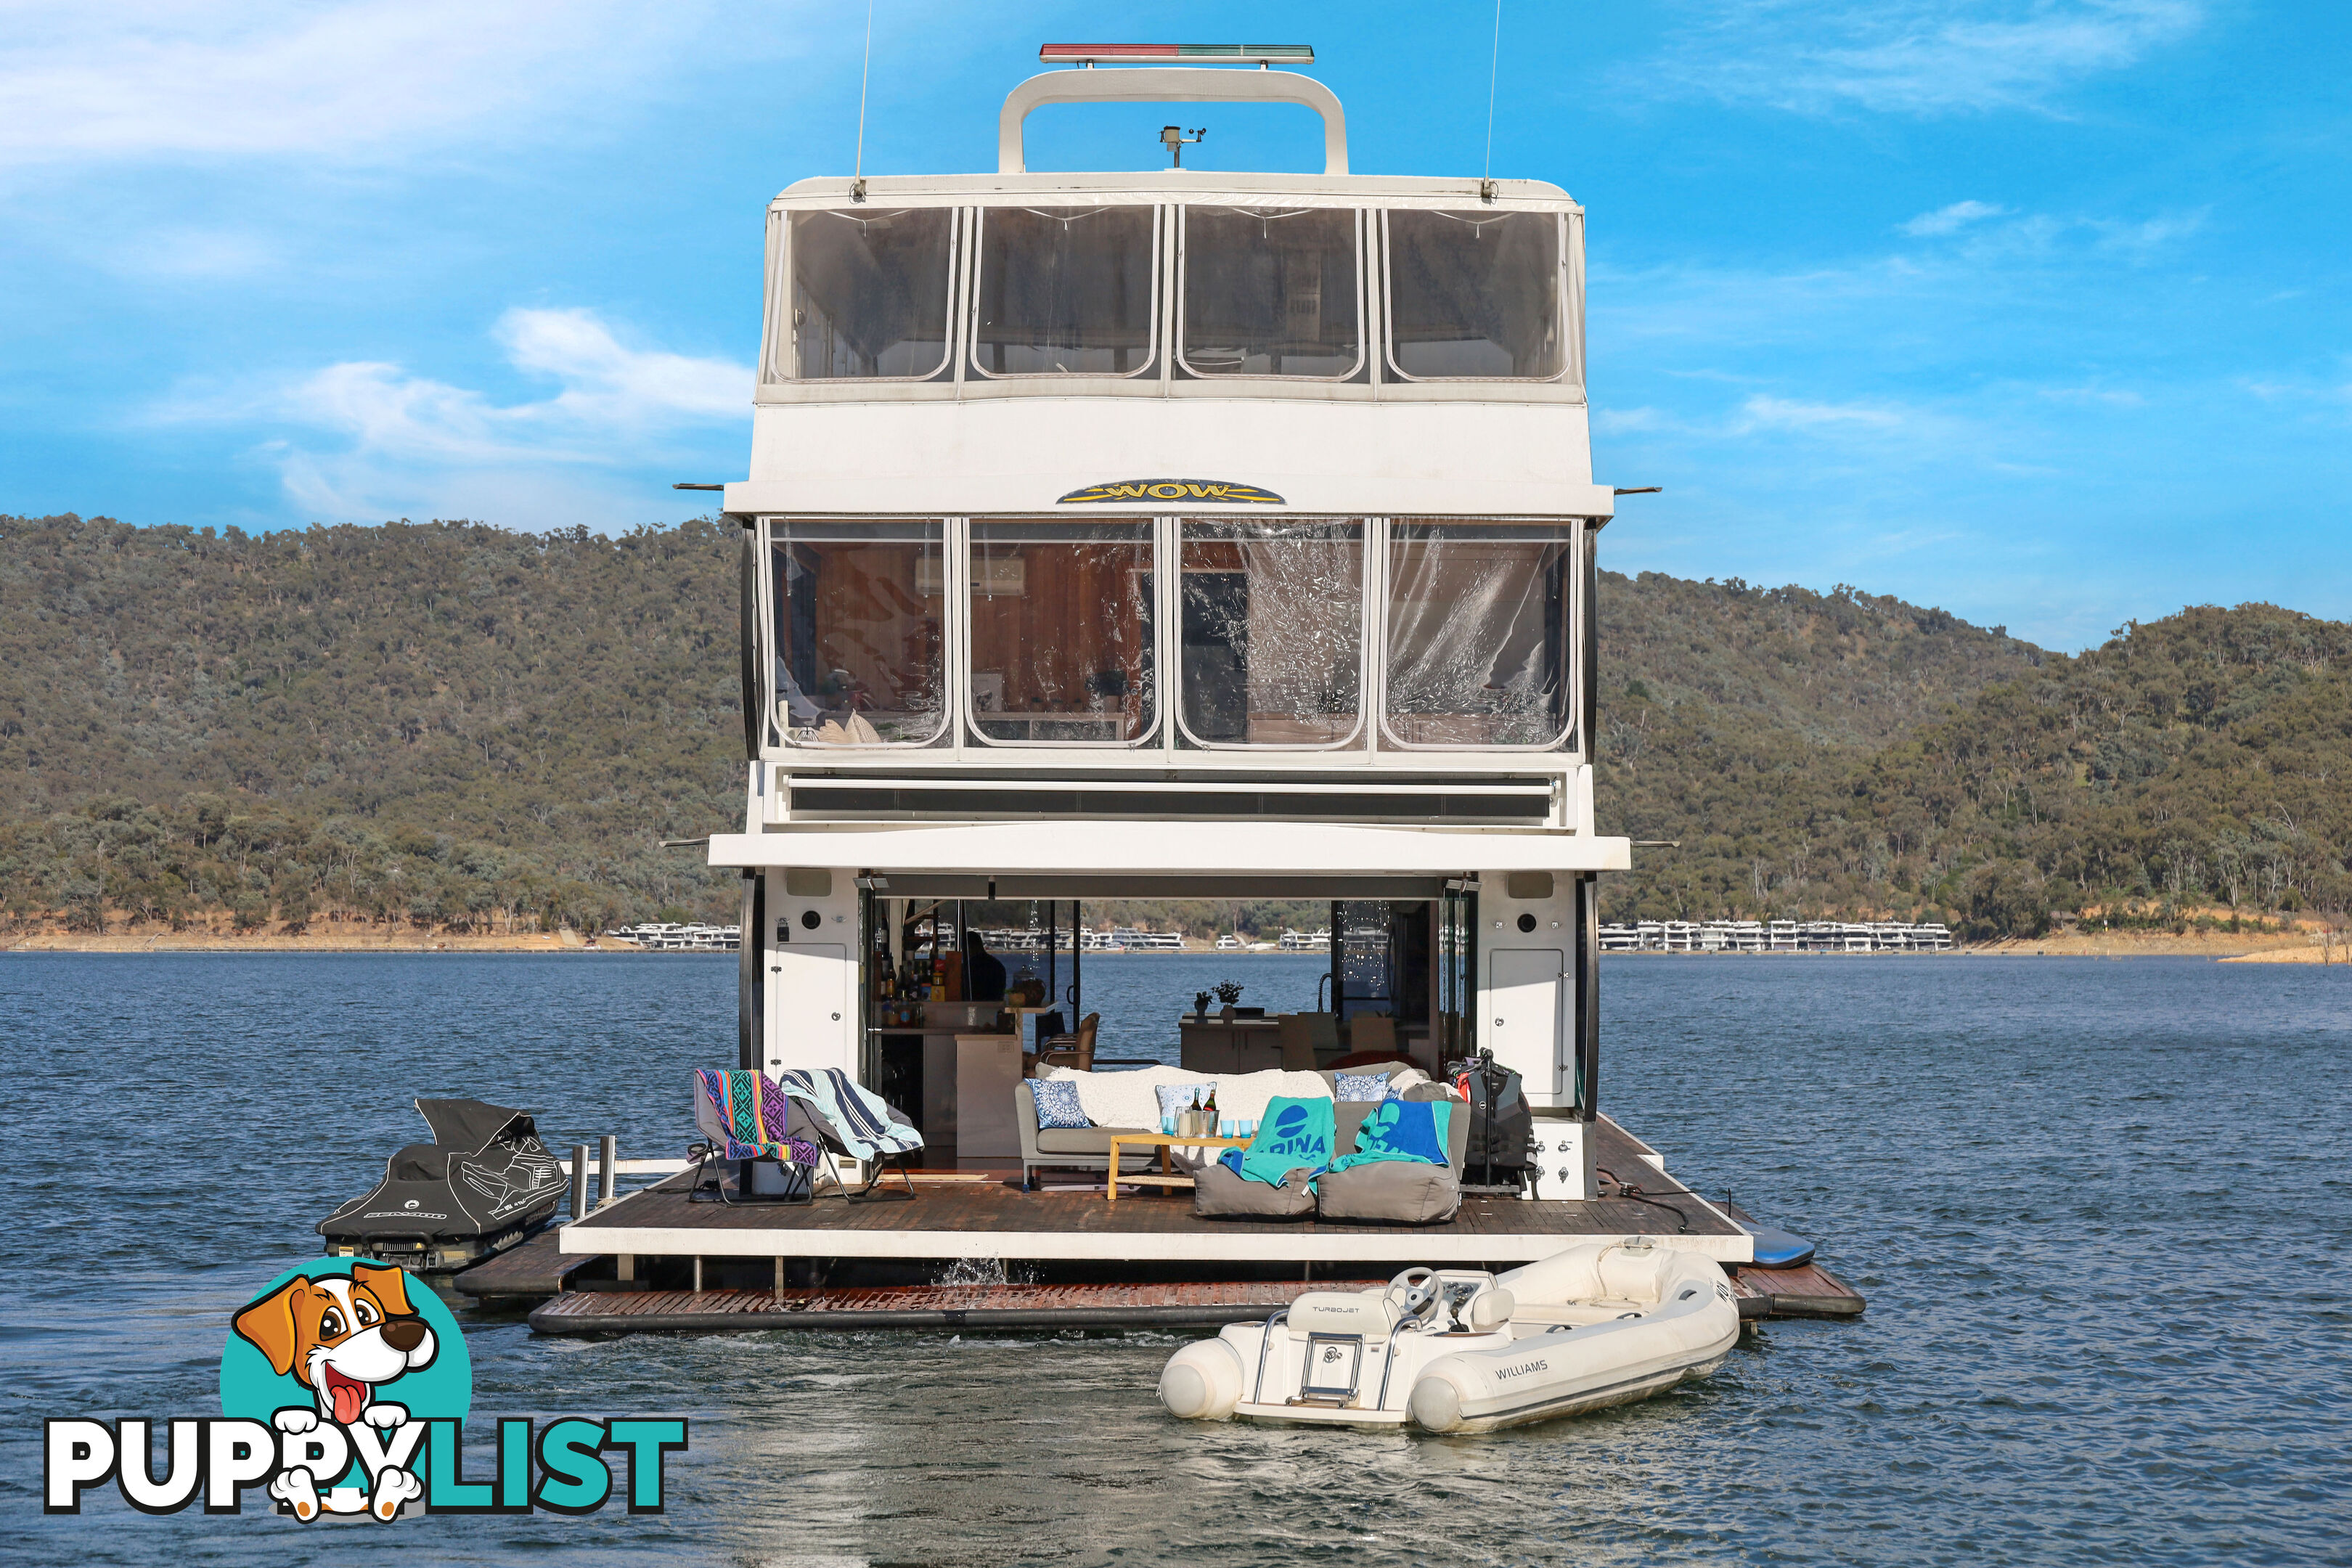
{"points": [[2150, 233], [1794, 414], [1951, 219], [613, 398], [2111, 398], [1623, 421], [361, 79], [1915, 57], [413, 445]]}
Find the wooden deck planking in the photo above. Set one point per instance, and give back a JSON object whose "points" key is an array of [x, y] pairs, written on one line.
{"points": [[1203, 1304], [1763, 1294], [1808, 1291], [538, 1267], [1006, 1208]]}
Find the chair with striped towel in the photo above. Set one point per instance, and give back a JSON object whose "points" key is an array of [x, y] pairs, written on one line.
{"points": [[856, 1123], [744, 1118]]}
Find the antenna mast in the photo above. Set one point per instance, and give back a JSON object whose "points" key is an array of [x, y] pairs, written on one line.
{"points": [[857, 174], [1494, 70]]}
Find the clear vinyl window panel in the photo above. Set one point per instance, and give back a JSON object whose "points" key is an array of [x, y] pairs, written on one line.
{"points": [[1065, 290], [860, 632], [1271, 633], [1062, 630], [1479, 636], [871, 294], [1271, 292], [1477, 296]]}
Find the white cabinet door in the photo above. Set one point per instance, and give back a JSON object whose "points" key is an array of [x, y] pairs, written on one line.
{"points": [[810, 1021], [1523, 1005]]}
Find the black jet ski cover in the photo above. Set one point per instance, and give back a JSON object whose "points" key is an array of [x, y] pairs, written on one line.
{"points": [[485, 1170]]}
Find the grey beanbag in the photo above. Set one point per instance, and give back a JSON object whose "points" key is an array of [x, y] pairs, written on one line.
{"points": [[1400, 1192], [1217, 1190]]}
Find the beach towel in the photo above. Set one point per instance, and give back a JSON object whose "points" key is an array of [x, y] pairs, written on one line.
{"points": [[1411, 1129], [1294, 1134], [750, 1116], [855, 1115]]}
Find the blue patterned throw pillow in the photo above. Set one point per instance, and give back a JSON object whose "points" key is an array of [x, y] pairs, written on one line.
{"points": [[1360, 1086], [1057, 1104]]}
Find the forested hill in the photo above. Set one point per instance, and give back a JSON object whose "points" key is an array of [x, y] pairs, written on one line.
{"points": [[1838, 668], [2196, 765], [442, 721], [457, 724]]}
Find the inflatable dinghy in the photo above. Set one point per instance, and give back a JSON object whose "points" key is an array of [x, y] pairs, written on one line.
{"points": [[485, 1183], [1463, 1351]]}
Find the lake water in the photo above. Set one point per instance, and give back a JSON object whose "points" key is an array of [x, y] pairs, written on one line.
{"points": [[2100, 1209]]}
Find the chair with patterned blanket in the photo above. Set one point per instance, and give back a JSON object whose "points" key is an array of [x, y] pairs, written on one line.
{"points": [[853, 1122], [745, 1119]]}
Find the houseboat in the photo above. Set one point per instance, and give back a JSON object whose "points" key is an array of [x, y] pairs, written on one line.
{"points": [[1167, 534]]}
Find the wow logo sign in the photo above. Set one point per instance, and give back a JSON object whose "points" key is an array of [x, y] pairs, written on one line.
{"points": [[344, 1389]]}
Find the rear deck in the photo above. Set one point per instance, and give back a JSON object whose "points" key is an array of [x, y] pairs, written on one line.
{"points": [[1076, 1262], [965, 1218]]}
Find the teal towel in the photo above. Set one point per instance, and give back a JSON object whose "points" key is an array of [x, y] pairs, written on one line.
{"points": [[1292, 1132], [1403, 1130]]}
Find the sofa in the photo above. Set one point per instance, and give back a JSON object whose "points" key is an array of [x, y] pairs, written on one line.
{"points": [[1074, 1149], [1393, 1193]]}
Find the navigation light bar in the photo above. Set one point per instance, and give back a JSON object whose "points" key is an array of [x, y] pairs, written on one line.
{"points": [[1135, 54]]}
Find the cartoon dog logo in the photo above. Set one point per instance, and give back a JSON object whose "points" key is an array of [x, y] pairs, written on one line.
{"points": [[343, 1339]]}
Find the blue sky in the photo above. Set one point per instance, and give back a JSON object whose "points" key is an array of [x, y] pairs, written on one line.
{"points": [[2036, 309]]}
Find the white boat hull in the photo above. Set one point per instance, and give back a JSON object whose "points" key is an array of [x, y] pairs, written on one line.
{"points": [[1590, 1328]]}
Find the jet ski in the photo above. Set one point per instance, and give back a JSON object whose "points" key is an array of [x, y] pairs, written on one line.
{"points": [[485, 1183], [1463, 1351]]}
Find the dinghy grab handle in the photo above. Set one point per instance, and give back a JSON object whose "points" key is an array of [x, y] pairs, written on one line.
{"points": [[1169, 84], [1265, 1339]]}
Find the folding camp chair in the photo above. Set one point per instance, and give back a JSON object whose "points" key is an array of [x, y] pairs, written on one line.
{"points": [[855, 1124], [745, 1119]]}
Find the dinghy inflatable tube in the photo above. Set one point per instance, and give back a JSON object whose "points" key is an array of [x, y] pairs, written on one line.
{"points": [[1460, 1350], [1202, 1381], [1679, 1319]]}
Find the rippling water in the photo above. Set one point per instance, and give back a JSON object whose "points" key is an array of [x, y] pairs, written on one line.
{"points": [[2099, 1208]]}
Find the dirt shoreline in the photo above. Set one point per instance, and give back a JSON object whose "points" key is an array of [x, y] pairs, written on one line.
{"points": [[320, 937], [2284, 947]]}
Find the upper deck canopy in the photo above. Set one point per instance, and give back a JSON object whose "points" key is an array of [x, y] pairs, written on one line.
{"points": [[1351, 345]]}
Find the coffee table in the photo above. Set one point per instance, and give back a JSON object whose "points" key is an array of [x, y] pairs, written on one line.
{"points": [[1166, 1141]]}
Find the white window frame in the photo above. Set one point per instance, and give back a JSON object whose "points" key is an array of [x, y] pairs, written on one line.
{"points": [[1153, 733], [1363, 323], [1152, 360], [940, 740], [1578, 541], [1563, 297], [787, 340], [1356, 739]]}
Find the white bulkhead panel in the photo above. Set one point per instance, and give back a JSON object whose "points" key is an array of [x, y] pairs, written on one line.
{"points": [[1527, 1001], [1023, 455], [811, 1010], [811, 1017]]}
